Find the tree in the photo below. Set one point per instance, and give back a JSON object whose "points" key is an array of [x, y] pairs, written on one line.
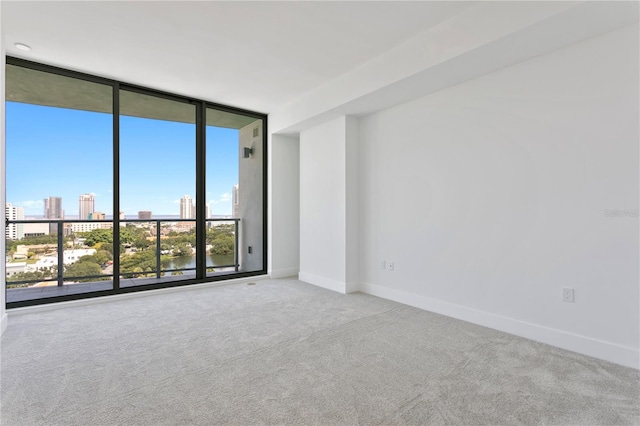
{"points": [[141, 242], [80, 270], [108, 247], [218, 230], [129, 233], [138, 264], [26, 276], [40, 239], [222, 239], [101, 257], [49, 272], [96, 236], [223, 244], [9, 248], [173, 238], [182, 249]]}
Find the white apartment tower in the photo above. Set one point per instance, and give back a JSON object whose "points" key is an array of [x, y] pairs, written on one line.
{"points": [[235, 212], [14, 231], [187, 209], [86, 206]]}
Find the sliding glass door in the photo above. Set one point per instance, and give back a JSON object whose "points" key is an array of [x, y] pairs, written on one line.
{"points": [[157, 189], [113, 188], [59, 169]]}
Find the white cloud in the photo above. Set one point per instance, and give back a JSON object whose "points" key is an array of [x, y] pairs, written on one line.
{"points": [[30, 203], [223, 198]]}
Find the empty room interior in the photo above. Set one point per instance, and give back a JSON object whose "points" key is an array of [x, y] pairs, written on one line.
{"points": [[349, 213]]}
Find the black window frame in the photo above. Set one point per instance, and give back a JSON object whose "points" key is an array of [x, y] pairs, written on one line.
{"points": [[201, 107]]}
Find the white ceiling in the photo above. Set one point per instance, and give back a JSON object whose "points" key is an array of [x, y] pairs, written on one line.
{"points": [[253, 55]]}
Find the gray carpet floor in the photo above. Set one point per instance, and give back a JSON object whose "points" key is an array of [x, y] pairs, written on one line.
{"points": [[285, 352]]}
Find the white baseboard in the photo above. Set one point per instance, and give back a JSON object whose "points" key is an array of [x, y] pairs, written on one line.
{"points": [[352, 287], [323, 282], [284, 273], [623, 355], [132, 295], [4, 321]]}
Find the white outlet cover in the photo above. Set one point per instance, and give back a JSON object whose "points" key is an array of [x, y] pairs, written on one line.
{"points": [[567, 294]]}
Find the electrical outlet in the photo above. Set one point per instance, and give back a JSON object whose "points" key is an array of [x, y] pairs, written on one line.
{"points": [[567, 295], [250, 249], [392, 266], [383, 264]]}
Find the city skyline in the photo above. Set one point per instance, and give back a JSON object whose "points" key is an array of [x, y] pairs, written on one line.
{"points": [[157, 158], [53, 209]]}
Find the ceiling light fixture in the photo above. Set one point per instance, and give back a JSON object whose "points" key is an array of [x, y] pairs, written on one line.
{"points": [[22, 46]]}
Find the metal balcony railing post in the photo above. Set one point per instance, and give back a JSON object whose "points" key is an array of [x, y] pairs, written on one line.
{"points": [[60, 254], [235, 248], [157, 249]]}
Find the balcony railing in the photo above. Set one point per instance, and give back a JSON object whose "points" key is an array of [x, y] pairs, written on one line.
{"points": [[64, 228]]}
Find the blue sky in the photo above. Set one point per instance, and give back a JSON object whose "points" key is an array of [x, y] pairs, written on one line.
{"points": [[66, 153]]}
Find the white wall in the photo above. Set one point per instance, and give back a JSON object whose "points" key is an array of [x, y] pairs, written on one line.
{"points": [[491, 196], [482, 38], [3, 315], [323, 205], [284, 202], [329, 205], [352, 204]]}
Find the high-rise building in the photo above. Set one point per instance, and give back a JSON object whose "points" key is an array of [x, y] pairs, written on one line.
{"points": [[235, 206], [53, 210], [144, 214], [14, 231], [187, 209], [86, 204]]}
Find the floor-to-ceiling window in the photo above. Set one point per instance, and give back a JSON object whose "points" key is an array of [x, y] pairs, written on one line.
{"points": [[158, 182], [59, 181], [115, 188]]}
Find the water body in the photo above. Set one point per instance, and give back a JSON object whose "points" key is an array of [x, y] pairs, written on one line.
{"points": [[213, 260]]}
